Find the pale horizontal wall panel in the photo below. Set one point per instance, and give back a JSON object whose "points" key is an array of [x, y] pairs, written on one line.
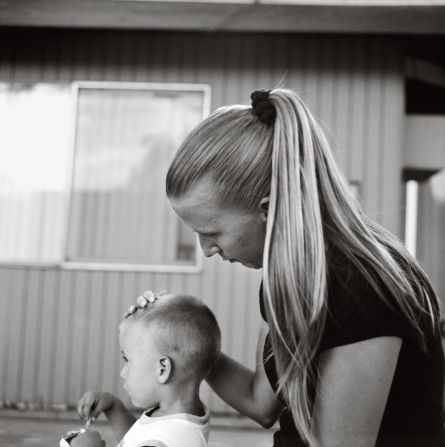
{"points": [[47, 341], [431, 232], [392, 129], [10, 314], [110, 351], [32, 314], [372, 141], [63, 329], [341, 104], [357, 120], [353, 84], [4, 331], [14, 295], [96, 330], [78, 336]]}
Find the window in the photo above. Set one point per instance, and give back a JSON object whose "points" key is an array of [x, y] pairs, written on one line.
{"points": [[34, 152], [103, 203]]}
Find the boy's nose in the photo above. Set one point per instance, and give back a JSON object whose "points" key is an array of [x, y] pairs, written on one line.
{"points": [[123, 372]]}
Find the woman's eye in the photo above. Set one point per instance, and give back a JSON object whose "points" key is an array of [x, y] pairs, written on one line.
{"points": [[206, 235]]}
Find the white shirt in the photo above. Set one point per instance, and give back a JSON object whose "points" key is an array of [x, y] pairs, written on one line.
{"points": [[173, 430]]}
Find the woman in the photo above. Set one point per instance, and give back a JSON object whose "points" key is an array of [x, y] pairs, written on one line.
{"points": [[353, 356]]}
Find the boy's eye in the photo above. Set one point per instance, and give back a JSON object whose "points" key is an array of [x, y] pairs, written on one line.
{"points": [[125, 358]]}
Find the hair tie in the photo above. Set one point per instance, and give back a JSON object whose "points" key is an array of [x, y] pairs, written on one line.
{"points": [[262, 107], [148, 297]]}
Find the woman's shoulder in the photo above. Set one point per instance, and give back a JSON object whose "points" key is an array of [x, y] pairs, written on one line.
{"points": [[346, 282], [356, 310]]}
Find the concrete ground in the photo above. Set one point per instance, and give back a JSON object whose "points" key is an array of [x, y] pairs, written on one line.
{"points": [[28, 430]]}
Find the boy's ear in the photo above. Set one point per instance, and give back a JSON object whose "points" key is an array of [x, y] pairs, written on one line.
{"points": [[264, 207], [164, 369]]}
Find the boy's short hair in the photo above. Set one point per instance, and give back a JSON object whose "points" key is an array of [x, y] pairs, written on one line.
{"points": [[185, 329]]}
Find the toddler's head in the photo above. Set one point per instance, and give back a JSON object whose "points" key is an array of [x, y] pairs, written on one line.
{"points": [[174, 340]]}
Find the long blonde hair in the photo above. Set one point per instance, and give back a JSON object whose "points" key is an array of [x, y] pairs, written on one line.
{"points": [[311, 208]]}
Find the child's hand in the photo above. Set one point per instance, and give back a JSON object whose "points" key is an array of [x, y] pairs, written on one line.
{"points": [[88, 439], [92, 403]]}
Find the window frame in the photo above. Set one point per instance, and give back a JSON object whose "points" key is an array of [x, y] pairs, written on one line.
{"points": [[65, 264]]}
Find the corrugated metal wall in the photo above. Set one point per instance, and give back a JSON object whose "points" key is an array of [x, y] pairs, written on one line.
{"points": [[58, 327], [431, 231]]}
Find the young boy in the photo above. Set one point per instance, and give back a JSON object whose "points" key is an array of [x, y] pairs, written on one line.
{"points": [[168, 343]]}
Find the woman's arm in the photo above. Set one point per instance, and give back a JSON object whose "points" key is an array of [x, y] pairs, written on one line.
{"points": [[247, 391], [352, 391]]}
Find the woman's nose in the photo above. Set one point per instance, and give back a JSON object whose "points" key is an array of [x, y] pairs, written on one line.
{"points": [[209, 248], [123, 372]]}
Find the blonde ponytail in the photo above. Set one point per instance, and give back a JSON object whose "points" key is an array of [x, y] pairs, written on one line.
{"points": [[311, 206], [294, 259]]}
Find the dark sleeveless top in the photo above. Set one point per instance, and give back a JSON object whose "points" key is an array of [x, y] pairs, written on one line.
{"points": [[413, 413]]}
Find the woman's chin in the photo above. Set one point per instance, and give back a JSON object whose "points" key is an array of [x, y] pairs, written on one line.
{"points": [[251, 265]]}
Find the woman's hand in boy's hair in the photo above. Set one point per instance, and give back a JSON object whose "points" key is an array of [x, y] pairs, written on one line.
{"points": [[88, 438], [93, 403]]}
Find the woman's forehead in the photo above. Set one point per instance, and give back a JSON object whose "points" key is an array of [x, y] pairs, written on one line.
{"points": [[206, 196], [203, 210], [200, 202], [203, 192]]}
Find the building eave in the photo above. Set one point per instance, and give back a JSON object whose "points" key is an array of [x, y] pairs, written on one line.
{"points": [[237, 16]]}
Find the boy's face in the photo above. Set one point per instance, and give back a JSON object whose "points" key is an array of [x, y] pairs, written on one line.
{"points": [[139, 371]]}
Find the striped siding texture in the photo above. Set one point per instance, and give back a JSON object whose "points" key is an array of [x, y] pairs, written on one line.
{"points": [[58, 327], [431, 231]]}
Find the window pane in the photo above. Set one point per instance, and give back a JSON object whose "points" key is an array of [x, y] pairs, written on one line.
{"points": [[35, 123], [125, 139]]}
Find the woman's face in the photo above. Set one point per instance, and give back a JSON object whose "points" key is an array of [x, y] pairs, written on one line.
{"points": [[234, 234]]}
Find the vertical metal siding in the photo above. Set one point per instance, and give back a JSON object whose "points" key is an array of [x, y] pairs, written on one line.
{"points": [[59, 328], [430, 234]]}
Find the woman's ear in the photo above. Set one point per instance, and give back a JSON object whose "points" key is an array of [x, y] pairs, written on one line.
{"points": [[264, 207], [164, 369]]}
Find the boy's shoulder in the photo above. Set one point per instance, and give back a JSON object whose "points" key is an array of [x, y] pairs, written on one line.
{"points": [[153, 443], [149, 443], [175, 430]]}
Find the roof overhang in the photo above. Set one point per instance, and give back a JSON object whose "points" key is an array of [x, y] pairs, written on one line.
{"points": [[317, 16]]}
